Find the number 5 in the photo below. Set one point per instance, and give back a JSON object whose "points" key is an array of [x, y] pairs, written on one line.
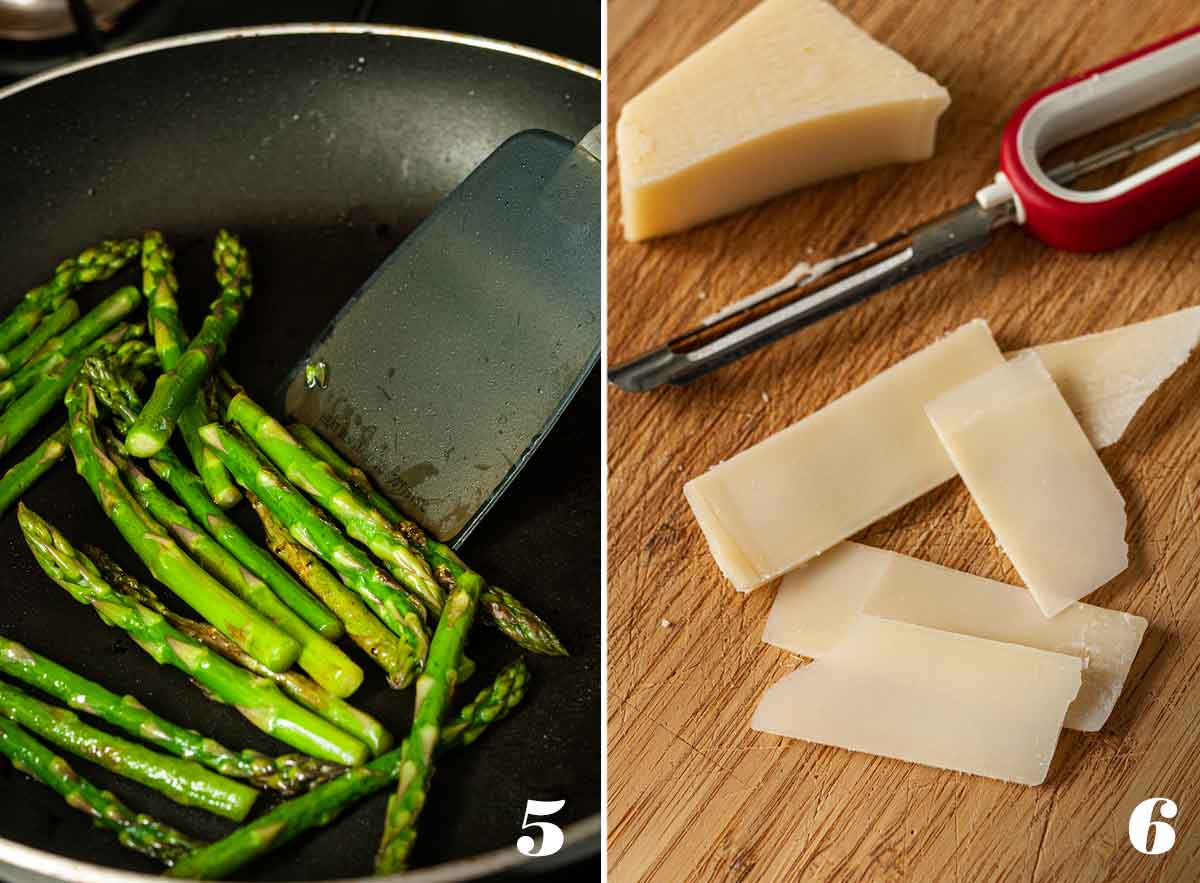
{"points": [[1140, 826], [552, 835]]}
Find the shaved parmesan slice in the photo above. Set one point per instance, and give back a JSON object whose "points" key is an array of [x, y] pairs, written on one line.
{"points": [[1037, 480], [931, 697], [789, 498], [1106, 377], [818, 604]]}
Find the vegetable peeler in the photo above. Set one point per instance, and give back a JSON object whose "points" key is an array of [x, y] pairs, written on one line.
{"points": [[445, 371], [1023, 193]]}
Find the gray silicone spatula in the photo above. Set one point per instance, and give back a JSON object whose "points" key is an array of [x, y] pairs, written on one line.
{"points": [[444, 372]]}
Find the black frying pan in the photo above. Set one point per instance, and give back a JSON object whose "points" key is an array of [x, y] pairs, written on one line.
{"points": [[323, 146]]}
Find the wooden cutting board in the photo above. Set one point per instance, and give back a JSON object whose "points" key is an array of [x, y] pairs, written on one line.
{"points": [[694, 794]]}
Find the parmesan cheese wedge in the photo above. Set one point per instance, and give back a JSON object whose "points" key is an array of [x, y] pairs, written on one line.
{"points": [[794, 92], [794, 495], [818, 605], [931, 697], [1036, 478], [1106, 377]]}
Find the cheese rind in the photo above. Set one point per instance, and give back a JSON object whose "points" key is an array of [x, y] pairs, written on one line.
{"points": [[818, 604], [1106, 377], [794, 495], [1037, 480], [930, 697], [793, 92]]}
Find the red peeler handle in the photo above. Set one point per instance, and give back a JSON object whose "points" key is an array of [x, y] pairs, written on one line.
{"points": [[1095, 220]]}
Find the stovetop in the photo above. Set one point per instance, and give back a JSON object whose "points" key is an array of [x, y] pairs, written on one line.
{"points": [[565, 27]]}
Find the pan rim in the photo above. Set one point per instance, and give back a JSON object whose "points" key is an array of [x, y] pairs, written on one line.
{"points": [[305, 28], [578, 835], [58, 867]]}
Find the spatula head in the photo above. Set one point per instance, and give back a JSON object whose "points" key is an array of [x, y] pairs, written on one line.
{"points": [[448, 367]]}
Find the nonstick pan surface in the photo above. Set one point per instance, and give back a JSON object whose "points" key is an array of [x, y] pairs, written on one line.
{"points": [[322, 146]]}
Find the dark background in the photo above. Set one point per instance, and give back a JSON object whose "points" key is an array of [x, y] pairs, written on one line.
{"points": [[566, 27]]}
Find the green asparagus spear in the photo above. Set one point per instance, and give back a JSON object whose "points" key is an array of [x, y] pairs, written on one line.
{"points": [[466, 669], [303, 690], [22, 475], [122, 399], [47, 337], [94, 322], [58, 350], [490, 704], [316, 479], [130, 357], [95, 263], [290, 774], [516, 621], [191, 492], [183, 781], [323, 660], [160, 287], [252, 631], [48, 328], [140, 833], [356, 477], [363, 627], [23, 414], [18, 327], [343, 500], [520, 624], [223, 390], [435, 687], [179, 385], [308, 526], [219, 486], [256, 698], [323, 804]]}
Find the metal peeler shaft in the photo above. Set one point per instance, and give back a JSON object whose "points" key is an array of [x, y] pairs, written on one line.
{"points": [[854, 278], [888, 263]]}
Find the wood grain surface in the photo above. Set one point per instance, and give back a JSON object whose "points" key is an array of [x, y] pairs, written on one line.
{"points": [[694, 794]]}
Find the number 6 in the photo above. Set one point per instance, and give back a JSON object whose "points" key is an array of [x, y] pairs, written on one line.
{"points": [[1140, 826], [552, 835]]}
